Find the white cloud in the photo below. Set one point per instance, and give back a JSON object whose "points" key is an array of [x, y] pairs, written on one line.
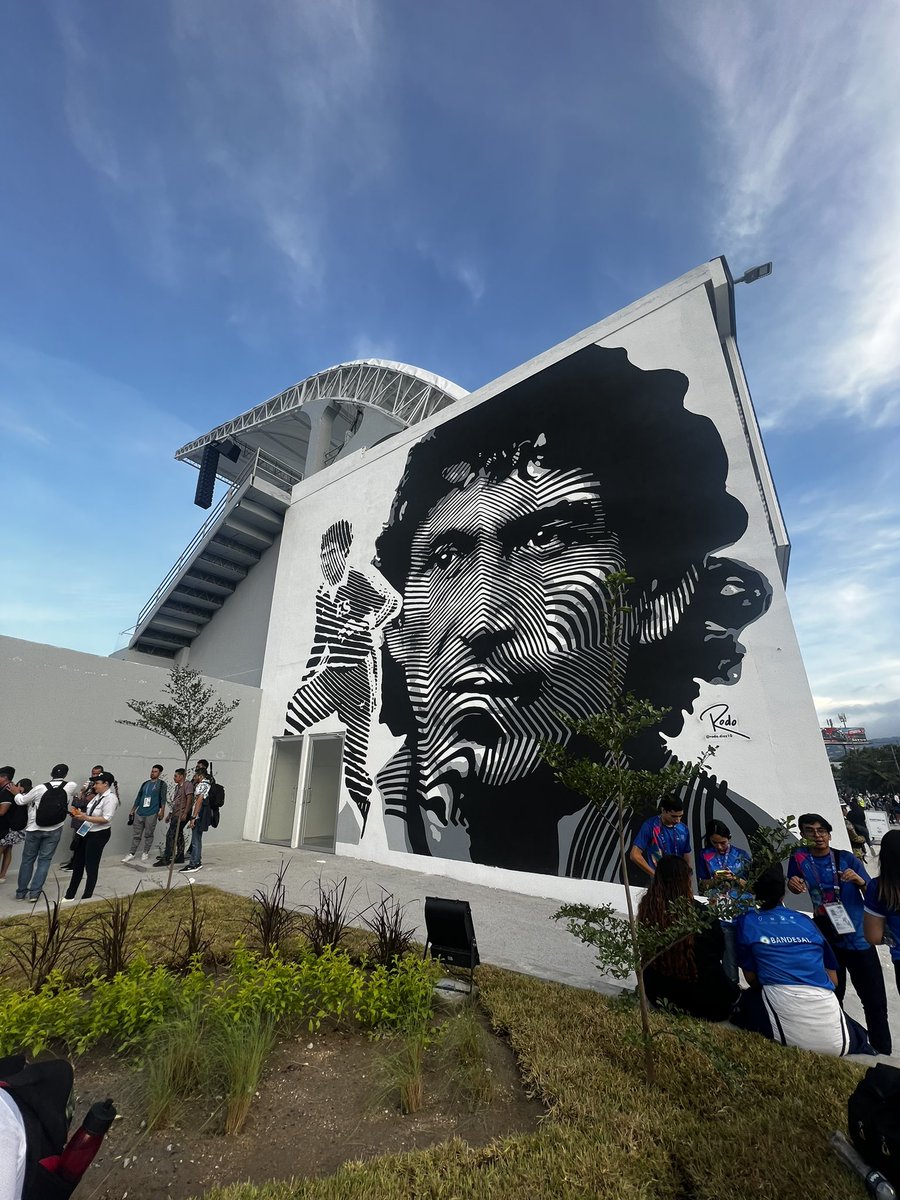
{"points": [[804, 159]]}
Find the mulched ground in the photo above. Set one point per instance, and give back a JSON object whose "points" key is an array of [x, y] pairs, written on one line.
{"points": [[315, 1110]]}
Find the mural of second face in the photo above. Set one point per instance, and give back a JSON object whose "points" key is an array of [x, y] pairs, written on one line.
{"points": [[503, 527]]}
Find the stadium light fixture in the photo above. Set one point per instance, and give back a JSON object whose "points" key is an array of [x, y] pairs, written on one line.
{"points": [[753, 273]]}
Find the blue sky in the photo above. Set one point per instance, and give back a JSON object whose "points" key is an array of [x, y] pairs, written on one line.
{"points": [[204, 201]]}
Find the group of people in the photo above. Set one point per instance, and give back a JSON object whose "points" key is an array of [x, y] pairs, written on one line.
{"points": [[37, 816], [795, 966]]}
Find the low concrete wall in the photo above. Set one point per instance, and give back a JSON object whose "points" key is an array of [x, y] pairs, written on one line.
{"points": [[62, 706]]}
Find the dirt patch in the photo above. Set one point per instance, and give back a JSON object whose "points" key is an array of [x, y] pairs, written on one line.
{"points": [[314, 1111]]}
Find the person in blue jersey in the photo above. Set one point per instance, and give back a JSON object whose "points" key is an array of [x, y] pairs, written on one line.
{"points": [[835, 881], [722, 872], [881, 921], [792, 975], [663, 834]]}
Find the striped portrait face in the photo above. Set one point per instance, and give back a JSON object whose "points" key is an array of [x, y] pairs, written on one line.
{"points": [[502, 626]]}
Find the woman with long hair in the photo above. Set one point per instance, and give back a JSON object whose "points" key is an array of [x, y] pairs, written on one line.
{"points": [[881, 918], [688, 974], [723, 871]]}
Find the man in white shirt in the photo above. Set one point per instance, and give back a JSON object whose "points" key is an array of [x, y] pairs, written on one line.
{"points": [[43, 831]]}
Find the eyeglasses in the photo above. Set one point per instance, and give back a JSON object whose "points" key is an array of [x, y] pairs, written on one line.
{"points": [[814, 831]]}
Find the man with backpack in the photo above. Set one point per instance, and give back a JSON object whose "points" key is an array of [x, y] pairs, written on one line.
{"points": [[48, 808]]}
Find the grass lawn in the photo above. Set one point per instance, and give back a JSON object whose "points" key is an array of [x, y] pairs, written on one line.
{"points": [[732, 1114]]}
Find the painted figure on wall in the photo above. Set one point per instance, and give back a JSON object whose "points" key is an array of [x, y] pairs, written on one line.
{"points": [[342, 670], [504, 526]]}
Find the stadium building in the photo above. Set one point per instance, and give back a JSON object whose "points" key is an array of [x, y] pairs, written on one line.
{"points": [[403, 584]]}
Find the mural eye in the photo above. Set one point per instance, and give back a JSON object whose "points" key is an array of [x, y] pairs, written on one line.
{"points": [[444, 556], [546, 538], [731, 589]]}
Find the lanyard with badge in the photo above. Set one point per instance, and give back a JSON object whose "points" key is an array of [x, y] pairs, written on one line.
{"points": [[148, 796], [837, 915], [85, 827]]}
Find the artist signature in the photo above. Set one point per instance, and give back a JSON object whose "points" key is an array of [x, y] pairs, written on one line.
{"points": [[722, 723]]}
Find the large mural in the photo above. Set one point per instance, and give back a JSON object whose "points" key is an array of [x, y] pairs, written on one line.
{"points": [[485, 621]]}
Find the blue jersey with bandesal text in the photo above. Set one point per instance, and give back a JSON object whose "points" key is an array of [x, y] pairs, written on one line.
{"points": [[877, 908], [782, 946]]}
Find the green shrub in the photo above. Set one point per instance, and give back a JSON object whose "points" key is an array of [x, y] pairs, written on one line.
{"points": [[32, 1021]]}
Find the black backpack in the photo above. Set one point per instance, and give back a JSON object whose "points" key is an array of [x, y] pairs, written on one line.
{"points": [[40, 1091], [216, 796], [53, 806], [873, 1114]]}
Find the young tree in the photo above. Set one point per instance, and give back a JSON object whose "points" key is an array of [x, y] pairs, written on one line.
{"points": [[617, 790], [192, 717]]}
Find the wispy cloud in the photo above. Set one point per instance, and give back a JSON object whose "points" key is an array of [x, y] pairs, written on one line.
{"points": [[804, 157], [138, 199], [284, 108]]}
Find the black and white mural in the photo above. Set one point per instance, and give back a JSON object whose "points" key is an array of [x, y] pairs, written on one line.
{"points": [[489, 620], [342, 671]]}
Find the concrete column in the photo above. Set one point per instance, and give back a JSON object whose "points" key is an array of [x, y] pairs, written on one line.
{"points": [[321, 414]]}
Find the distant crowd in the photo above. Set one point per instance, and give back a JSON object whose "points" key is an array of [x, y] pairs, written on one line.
{"points": [[36, 818], [795, 966]]}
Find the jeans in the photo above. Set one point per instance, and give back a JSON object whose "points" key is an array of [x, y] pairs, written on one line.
{"points": [[143, 827], [867, 977], [194, 859], [40, 846], [175, 840], [87, 862]]}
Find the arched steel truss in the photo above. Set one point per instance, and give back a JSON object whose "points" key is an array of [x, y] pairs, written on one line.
{"points": [[406, 393]]}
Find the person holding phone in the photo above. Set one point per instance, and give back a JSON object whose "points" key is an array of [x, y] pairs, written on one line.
{"points": [[722, 872], [835, 881], [92, 835]]}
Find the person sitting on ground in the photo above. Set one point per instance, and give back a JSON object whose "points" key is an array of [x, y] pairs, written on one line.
{"points": [[881, 921], [792, 973], [688, 974], [835, 881], [662, 834], [9, 837], [722, 872]]}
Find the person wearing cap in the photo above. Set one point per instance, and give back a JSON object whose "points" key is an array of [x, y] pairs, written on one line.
{"points": [[81, 802], [93, 834], [41, 840]]}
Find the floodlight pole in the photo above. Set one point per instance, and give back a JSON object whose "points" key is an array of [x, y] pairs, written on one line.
{"points": [[753, 273]]}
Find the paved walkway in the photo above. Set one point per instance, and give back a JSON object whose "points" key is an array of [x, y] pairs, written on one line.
{"points": [[513, 931]]}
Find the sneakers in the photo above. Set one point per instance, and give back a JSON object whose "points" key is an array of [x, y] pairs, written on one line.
{"points": [[128, 858], [144, 856], [66, 867], [161, 862], [69, 900], [187, 869]]}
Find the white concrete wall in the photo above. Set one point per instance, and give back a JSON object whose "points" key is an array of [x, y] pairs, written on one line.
{"points": [[62, 706], [232, 646], [779, 763]]}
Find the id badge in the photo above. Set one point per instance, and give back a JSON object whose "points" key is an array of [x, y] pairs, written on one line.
{"points": [[839, 918], [83, 829], [148, 800]]}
